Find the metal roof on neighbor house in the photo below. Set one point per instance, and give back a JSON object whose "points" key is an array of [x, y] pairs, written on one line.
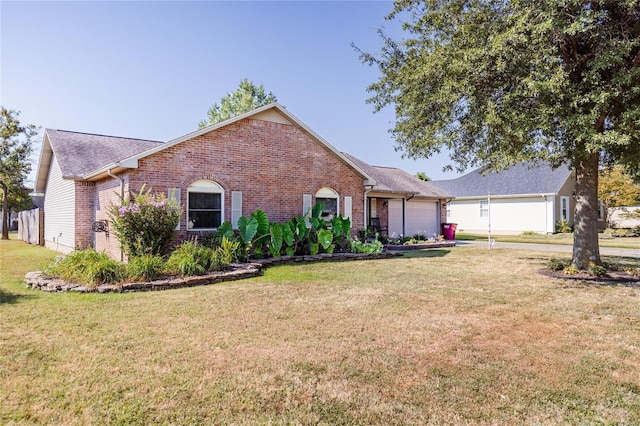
{"points": [[394, 180], [522, 179]]}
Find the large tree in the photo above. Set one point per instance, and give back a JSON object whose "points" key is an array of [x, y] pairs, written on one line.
{"points": [[15, 148], [497, 82], [247, 97]]}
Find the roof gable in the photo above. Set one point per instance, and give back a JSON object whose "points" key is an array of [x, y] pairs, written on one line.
{"points": [[525, 178], [273, 112], [79, 153]]}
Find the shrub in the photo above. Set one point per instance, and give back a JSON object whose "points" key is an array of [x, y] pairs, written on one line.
{"points": [[145, 224], [189, 258], [145, 268], [571, 270], [556, 264], [563, 227], [598, 271], [362, 247], [87, 267]]}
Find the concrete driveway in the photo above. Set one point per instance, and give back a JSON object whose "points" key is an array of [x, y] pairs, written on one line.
{"points": [[604, 251]]}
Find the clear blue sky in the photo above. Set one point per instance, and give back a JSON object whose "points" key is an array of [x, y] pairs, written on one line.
{"points": [[151, 70]]}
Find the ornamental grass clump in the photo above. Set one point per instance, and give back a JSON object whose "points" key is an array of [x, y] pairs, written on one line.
{"points": [[87, 267], [145, 223]]}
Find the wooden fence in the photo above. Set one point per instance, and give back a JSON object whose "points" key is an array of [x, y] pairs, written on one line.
{"points": [[31, 226]]}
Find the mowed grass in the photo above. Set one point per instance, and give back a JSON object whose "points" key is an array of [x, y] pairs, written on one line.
{"points": [[456, 336]]}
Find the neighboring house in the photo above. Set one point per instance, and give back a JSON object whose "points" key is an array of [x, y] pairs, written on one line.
{"points": [[403, 204], [264, 159], [526, 197], [619, 219]]}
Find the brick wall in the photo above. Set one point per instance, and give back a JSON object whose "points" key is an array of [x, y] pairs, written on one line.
{"points": [[272, 164], [107, 193], [84, 214]]}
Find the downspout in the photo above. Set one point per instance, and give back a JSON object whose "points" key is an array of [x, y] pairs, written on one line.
{"points": [[121, 199], [121, 183], [368, 188]]}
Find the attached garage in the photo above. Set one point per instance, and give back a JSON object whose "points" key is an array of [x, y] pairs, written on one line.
{"points": [[411, 217]]}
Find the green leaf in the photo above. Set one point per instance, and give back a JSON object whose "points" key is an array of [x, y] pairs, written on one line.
{"points": [[263, 222], [276, 239], [287, 233], [325, 238], [247, 228], [313, 248], [317, 210]]}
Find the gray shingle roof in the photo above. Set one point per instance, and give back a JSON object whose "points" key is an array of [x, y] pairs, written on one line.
{"points": [[523, 178], [394, 180], [82, 153]]}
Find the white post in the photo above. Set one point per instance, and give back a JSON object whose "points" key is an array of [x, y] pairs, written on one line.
{"points": [[489, 214]]}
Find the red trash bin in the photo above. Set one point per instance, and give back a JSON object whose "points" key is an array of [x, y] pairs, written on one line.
{"points": [[449, 230]]}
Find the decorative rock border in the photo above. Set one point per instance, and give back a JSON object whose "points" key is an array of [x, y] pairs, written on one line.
{"points": [[238, 271], [404, 247]]}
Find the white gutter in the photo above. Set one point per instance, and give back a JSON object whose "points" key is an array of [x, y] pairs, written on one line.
{"points": [[121, 183]]}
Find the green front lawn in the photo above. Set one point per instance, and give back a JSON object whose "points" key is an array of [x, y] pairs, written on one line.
{"points": [[455, 336]]}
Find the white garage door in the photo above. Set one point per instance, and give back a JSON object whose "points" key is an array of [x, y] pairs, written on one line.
{"points": [[422, 218]]}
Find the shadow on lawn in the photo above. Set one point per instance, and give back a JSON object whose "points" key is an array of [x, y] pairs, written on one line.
{"points": [[10, 298], [422, 253]]}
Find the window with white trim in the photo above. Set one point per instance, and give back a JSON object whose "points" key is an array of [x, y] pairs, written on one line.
{"points": [[484, 208], [329, 198], [564, 209], [205, 205]]}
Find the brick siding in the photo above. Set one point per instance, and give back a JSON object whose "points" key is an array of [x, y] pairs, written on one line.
{"points": [[272, 164]]}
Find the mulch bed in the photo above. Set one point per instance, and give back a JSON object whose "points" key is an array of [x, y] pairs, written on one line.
{"points": [[612, 277], [403, 247]]}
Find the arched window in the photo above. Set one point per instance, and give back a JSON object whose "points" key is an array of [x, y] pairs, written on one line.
{"points": [[329, 198], [205, 205]]}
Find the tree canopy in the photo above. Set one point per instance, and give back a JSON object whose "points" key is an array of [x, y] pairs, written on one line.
{"points": [[247, 97], [499, 81], [15, 148]]}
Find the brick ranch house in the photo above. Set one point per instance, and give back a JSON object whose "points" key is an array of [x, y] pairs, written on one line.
{"points": [[264, 159]]}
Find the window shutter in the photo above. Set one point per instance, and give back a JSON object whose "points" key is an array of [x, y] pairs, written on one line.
{"points": [[236, 207], [348, 213], [173, 194], [306, 206]]}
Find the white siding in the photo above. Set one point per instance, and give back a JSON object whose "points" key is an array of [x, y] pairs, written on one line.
{"points": [[508, 215], [59, 211]]}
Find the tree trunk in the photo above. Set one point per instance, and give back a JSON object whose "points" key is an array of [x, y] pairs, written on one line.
{"points": [[5, 213], [586, 251]]}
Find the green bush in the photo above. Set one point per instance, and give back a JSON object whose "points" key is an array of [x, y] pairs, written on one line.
{"points": [[145, 268], [598, 271], [362, 247], [563, 227], [87, 267], [556, 264], [144, 224], [191, 258]]}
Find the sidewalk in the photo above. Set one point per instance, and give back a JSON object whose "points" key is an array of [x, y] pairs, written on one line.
{"points": [[604, 251]]}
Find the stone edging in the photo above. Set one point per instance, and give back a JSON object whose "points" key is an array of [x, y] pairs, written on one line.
{"points": [[404, 247], [239, 271]]}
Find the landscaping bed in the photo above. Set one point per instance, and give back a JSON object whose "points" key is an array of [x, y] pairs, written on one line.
{"points": [[238, 271], [419, 246]]}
